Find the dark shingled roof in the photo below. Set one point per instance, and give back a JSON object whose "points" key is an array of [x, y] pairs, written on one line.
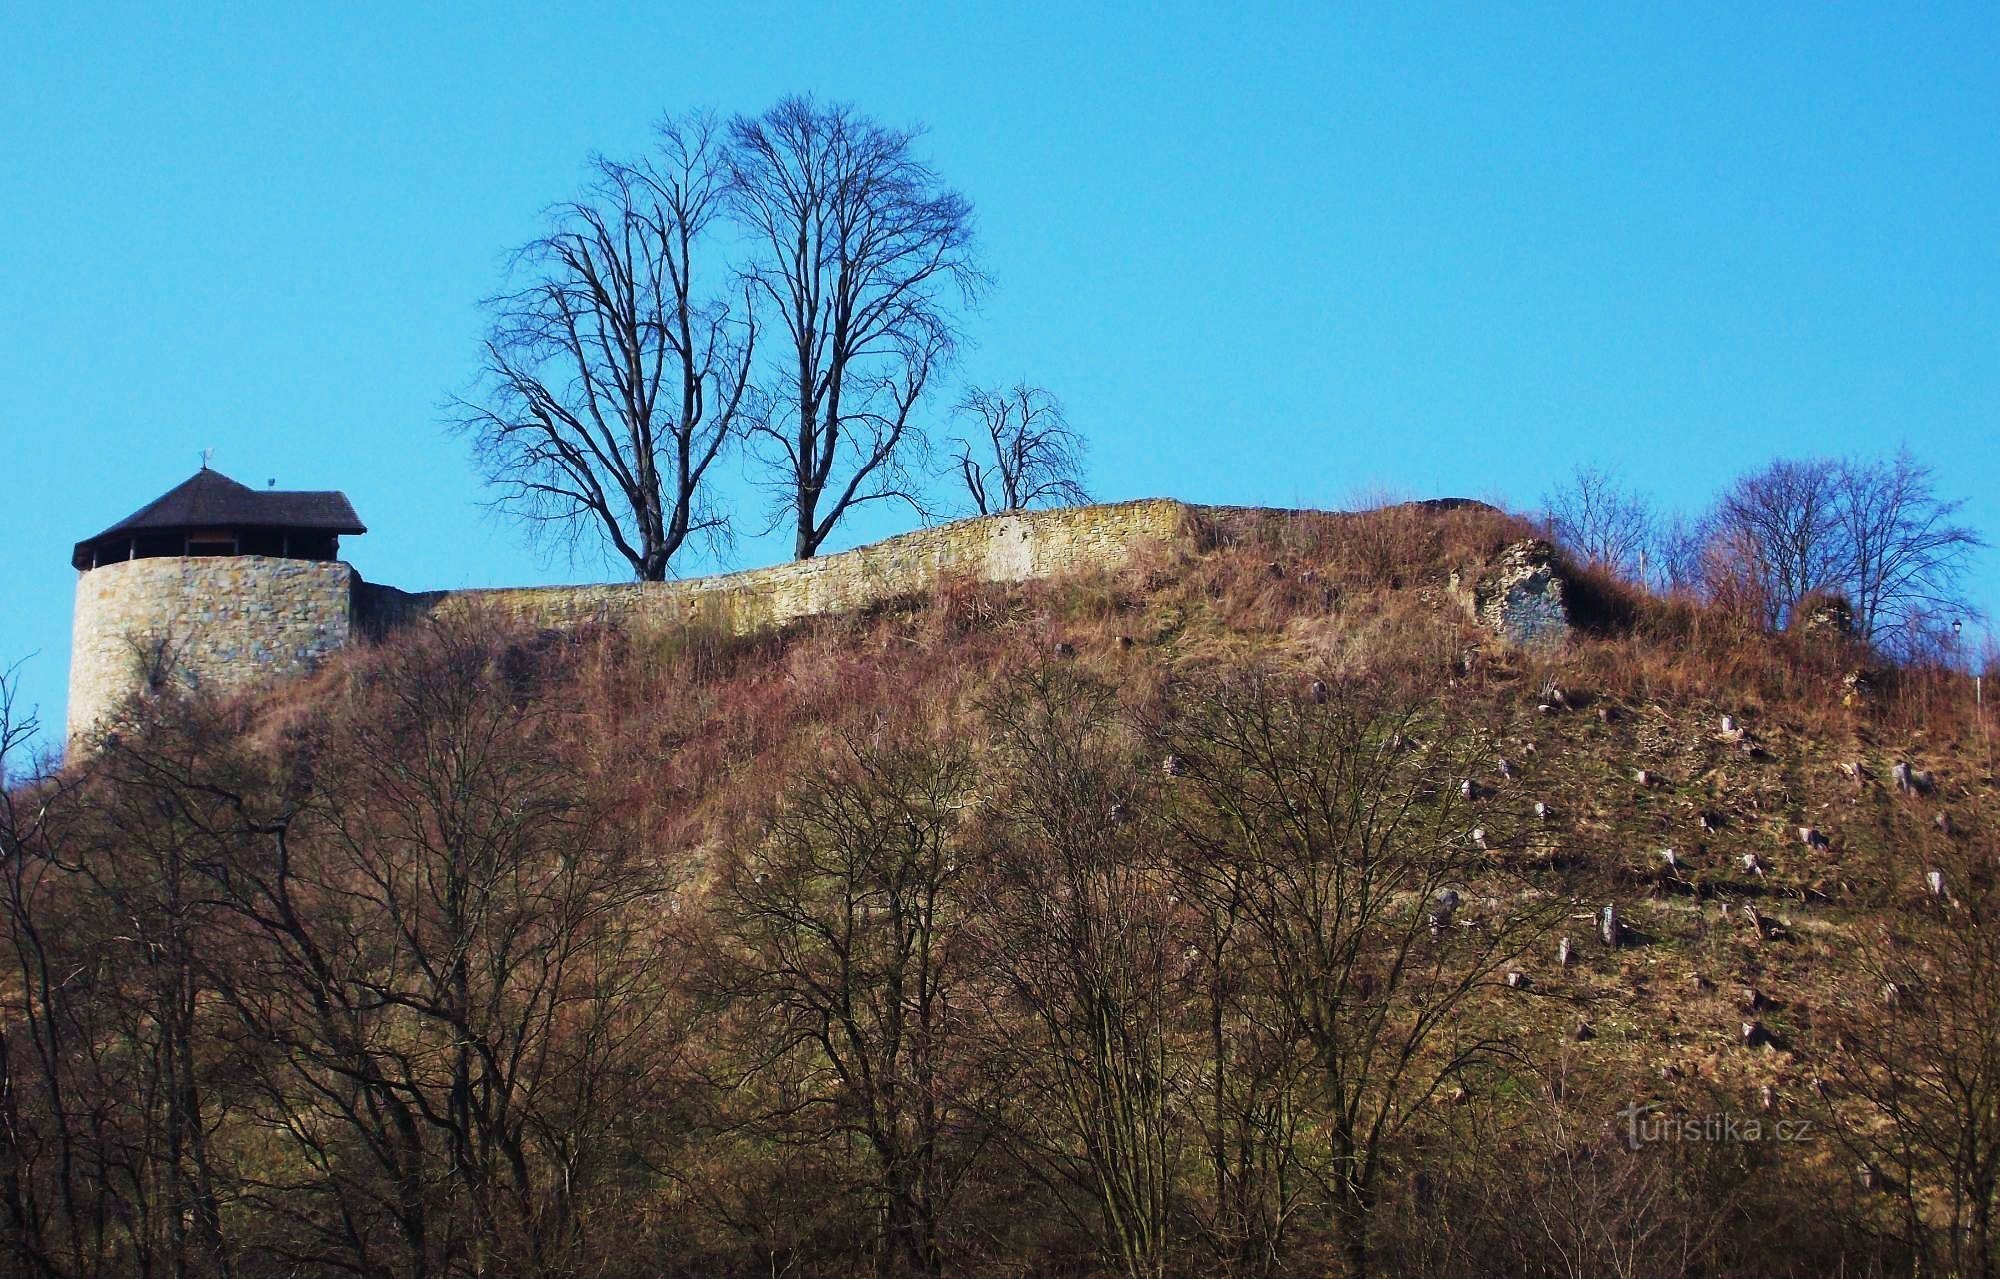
{"points": [[210, 499]]}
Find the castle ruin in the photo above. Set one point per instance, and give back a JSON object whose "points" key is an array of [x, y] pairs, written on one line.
{"points": [[219, 586]]}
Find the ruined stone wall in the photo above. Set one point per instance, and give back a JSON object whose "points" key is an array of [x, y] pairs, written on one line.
{"points": [[1001, 548], [225, 623], [1522, 597]]}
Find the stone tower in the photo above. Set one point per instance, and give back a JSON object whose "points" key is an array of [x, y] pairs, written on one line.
{"points": [[213, 585]]}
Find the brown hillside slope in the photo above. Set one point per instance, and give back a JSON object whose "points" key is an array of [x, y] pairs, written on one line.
{"points": [[1078, 926]]}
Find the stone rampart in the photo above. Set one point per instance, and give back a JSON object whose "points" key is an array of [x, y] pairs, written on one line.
{"points": [[227, 623], [1000, 548], [223, 622]]}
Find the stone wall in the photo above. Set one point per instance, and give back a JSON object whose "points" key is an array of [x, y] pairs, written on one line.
{"points": [[1001, 548], [227, 623], [1522, 597], [224, 623]]}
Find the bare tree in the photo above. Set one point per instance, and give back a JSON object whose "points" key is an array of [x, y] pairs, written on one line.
{"points": [[846, 915], [1873, 532], [1343, 845], [1257, 1113], [1916, 1071], [1079, 929], [1577, 1200], [1600, 522], [1675, 551], [429, 951], [1908, 554], [18, 727], [861, 249], [1029, 455], [47, 1199], [1776, 537], [613, 379], [147, 871], [110, 1088]]}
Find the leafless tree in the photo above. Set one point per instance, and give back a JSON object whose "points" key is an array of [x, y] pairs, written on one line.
{"points": [[18, 727], [1028, 456], [1908, 552], [614, 376], [1572, 1198], [847, 915], [1776, 537], [1675, 554], [1873, 532], [1345, 844], [1599, 521], [1078, 927], [861, 250], [109, 1082], [147, 871], [1916, 1077], [428, 948], [1256, 1110], [46, 1195]]}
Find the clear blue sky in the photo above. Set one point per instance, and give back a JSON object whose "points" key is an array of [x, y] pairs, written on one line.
{"points": [[1286, 258]]}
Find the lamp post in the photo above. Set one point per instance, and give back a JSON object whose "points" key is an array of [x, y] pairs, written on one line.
{"points": [[1978, 688]]}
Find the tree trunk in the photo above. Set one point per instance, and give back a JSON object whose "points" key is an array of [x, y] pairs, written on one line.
{"points": [[1350, 1226]]}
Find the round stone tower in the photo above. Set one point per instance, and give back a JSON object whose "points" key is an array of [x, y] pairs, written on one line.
{"points": [[214, 585]]}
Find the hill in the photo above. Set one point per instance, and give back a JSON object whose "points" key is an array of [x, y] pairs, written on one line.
{"points": [[1281, 900]]}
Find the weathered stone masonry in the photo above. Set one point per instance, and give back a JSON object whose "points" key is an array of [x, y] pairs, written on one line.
{"points": [[223, 622], [1000, 548]]}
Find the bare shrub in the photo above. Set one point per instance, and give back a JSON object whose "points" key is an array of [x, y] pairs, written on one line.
{"points": [[1600, 523], [1025, 453]]}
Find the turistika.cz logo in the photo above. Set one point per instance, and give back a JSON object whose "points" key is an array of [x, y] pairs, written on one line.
{"points": [[1648, 1124]]}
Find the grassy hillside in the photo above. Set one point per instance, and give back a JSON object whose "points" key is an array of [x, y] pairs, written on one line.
{"points": [[1239, 912]]}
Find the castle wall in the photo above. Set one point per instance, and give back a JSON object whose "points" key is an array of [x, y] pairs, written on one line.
{"points": [[222, 623], [227, 623], [1003, 548]]}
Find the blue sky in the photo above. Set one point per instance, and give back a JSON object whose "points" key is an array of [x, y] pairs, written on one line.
{"points": [[1290, 256]]}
